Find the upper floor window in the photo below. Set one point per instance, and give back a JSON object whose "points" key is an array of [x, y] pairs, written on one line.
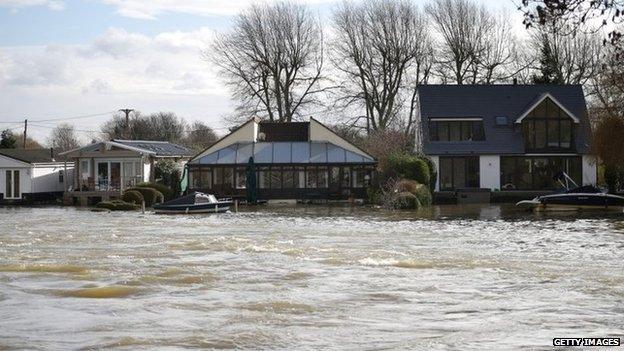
{"points": [[548, 128], [456, 130]]}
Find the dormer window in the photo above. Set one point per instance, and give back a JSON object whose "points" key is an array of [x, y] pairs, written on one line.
{"points": [[456, 129], [548, 127]]}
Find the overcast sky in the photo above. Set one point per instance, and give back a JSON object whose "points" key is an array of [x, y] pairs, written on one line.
{"points": [[78, 58]]}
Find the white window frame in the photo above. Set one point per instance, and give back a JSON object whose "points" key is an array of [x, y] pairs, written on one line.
{"points": [[12, 181]]}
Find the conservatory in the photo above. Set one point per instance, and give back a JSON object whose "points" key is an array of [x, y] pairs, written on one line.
{"points": [[297, 160]]}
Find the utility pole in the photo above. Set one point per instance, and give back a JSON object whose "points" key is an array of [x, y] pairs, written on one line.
{"points": [[25, 131], [127, 127]]}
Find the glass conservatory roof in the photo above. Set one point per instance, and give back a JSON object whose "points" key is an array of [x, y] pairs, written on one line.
{"points": [[283, 152]]}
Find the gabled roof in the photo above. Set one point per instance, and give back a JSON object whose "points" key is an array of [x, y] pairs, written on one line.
{"points": [[31, 155], [299, 134], [148, 147], [489, 102], [283, 153], [539, 101]]}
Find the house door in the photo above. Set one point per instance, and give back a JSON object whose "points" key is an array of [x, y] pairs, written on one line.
{"points": [[115, 175], [12, 189]]}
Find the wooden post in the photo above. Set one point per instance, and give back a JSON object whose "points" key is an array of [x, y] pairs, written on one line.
{"points": [[143, 206], [65, 175], [236, 205]]}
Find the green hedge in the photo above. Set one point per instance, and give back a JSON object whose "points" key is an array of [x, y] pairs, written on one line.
{"points": [[117, 205], [405, 166], [150, 195], [165, 190], [132, 196]]}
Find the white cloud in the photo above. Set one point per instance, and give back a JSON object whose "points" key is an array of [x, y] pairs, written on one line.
{"points": [[117, 69], [152, 9], [55, 5], [45, 66], [98, 85]]}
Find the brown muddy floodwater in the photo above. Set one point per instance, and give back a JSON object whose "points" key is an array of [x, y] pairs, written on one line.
{"points": [[308, 278]]}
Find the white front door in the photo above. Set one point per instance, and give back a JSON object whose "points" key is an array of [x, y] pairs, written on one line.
{"points": [[12, 186]]}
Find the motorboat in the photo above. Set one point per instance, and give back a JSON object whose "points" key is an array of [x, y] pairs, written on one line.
{"points": [[193, 203], [574, 198]]}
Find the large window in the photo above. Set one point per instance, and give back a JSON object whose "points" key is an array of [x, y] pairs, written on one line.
{"points": [[548, 128], [12, 185], [470, 130], [459, 172], [200, 178], [536, 173]]}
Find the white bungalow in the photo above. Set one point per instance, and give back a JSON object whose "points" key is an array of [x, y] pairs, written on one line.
{"points": [[103, 170], [32, 176]]}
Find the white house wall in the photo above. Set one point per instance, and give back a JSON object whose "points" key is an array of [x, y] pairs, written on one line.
{"points": [[25, 182], [489, 172], [246, 133], [319, 132], [46, 178], [7, 163], [589, 170]]}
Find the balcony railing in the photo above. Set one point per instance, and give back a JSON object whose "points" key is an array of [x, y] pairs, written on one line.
{"points": [[91, 184]]}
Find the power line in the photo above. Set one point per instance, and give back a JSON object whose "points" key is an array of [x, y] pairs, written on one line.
{"points": [[64, 118]]}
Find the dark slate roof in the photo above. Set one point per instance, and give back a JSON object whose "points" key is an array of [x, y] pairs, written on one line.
{"points": [[160, 148], [283, 153], [489, 102], [32, 155]]}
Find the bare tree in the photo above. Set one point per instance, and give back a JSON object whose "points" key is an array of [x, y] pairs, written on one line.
{"points": [[63, 138], [30, 142], [272, 60], [199, 136], [607, 88], [382, 48], [164, 126], [565, 59], [464, 28], [573, 16]]}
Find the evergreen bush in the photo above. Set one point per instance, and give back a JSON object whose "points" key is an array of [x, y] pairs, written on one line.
{"points": [[150, 195], [117, 205], [165, 190], [132, 196]]}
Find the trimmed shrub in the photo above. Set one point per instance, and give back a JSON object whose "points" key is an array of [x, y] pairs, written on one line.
{"points": [[117, 205], [132, 196], [167, 192], [424, 195], [408, 167], [406, 201], [150, 195], [405, 194]]}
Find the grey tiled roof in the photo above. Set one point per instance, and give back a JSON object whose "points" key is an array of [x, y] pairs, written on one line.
{"points": [[489, 102], [283, 153], [32, 155], [160, 148]]}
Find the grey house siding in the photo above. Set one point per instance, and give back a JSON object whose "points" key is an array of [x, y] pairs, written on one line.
{"points": [[489, 102]]}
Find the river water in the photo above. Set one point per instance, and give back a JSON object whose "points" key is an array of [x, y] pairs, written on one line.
{"points": [[482, 277]]}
